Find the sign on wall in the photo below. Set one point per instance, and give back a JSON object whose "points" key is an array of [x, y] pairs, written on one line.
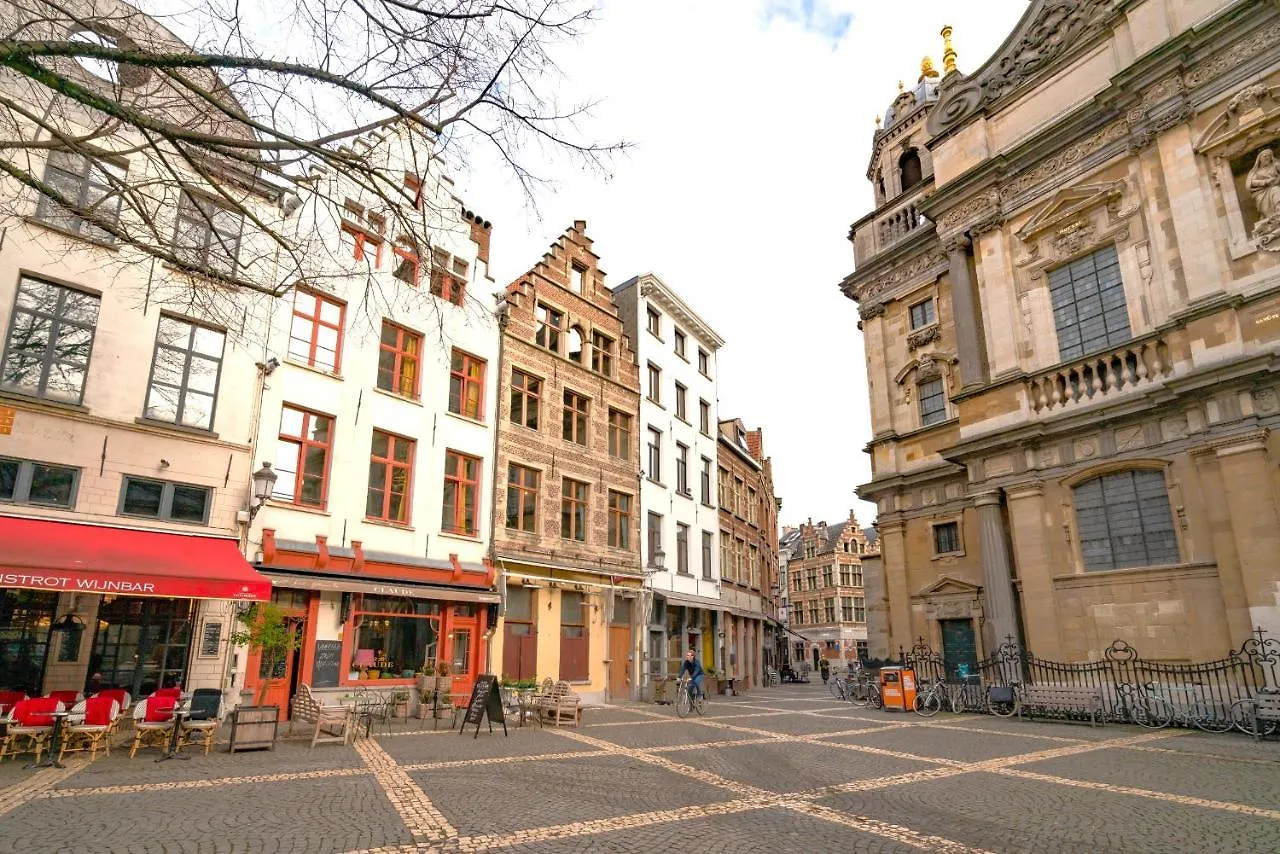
{"points": [[7, 416]]}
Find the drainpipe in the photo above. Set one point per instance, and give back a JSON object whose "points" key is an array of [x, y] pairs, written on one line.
{"points": [[501, 577]]}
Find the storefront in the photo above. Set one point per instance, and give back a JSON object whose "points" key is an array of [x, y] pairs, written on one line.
{"points": [[86, 606], [374, 621], [682, 622]]}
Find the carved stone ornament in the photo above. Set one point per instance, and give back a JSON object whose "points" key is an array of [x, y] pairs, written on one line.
{"points": [[911, 273], [979, 208], [921, 337], [1251, 119], [1074, 220], [1263, 183], [927, 371], [1045, 32]]}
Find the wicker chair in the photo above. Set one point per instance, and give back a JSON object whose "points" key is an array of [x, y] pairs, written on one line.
{"points": [[33, 721], [206, 714], [97, 717], [153, 722]]}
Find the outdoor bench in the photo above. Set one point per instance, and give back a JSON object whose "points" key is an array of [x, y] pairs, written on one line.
{"points": [[1056, 699], [1265, 707]]}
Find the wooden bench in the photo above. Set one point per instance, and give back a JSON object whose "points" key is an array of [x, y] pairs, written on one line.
{"points": [[332, 724], [1265, 707], [1061, 699], [560, 704]]}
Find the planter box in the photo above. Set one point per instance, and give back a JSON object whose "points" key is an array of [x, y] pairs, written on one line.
{"points": [[254, 727]]}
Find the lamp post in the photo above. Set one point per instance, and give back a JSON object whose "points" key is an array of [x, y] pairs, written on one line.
{"points": [[264, 481]]}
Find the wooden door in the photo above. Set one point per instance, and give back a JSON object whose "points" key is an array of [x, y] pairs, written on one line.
{"points": [[463, 655], [282, 684], [620, 662], [959, 647], [519, 650]]}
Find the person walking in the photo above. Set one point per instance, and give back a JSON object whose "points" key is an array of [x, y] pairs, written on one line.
{"points": [[825, 666]]}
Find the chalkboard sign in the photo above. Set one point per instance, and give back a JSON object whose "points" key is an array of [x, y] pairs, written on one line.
{"points": [[485, 699], [324, 666]]}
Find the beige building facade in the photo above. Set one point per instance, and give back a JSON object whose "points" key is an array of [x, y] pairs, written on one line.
{"points": [[1070, 297], [827, 599]]}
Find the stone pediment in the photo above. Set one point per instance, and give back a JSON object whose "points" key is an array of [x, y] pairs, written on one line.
{"points": [[948, 586], [1046, 32], [1068, 203], [1251, 118]]}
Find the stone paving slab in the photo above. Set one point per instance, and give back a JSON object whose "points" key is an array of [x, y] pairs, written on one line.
{"points": [[1071, 730], [451, 746], [1006, 814], [795, 767], [507, 798], [794, 724], [662, 735], [303, 816], [1199, 777], [943, 744]]}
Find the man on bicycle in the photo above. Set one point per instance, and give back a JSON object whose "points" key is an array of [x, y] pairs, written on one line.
{"points": [[693, 667]]}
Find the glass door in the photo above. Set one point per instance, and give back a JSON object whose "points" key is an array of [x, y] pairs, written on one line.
{"points": [[142, 644], [25, 616]]}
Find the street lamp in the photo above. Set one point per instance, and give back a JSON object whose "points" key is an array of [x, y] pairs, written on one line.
{"points": [[264, 480], [658, 558]]}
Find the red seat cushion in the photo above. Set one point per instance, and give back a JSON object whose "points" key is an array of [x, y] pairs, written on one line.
{"points": [[175, 693], [97, 711], [66, 698], [35, 712], [8, 699], [117, 694], [160, 709]]}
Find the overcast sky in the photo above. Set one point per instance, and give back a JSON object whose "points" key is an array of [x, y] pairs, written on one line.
{"points": [[751, 122]]}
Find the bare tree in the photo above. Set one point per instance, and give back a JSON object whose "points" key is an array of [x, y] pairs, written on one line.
{"points": [[230, 139]]}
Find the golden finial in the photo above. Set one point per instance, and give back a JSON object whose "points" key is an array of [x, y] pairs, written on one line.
{"points": [[900, 86], [948, 52], [927, 69]]}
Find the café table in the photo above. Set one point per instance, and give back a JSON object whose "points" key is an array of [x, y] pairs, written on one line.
{"points": [[55, 743], [180, 714]]}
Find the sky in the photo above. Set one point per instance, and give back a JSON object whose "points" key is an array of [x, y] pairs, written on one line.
{"points": [[751, 124]]}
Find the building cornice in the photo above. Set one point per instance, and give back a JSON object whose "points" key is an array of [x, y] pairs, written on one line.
{"points": [[653, 289]]}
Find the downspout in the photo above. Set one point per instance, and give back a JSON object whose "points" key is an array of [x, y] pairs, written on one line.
{"points": [[501, 577]]}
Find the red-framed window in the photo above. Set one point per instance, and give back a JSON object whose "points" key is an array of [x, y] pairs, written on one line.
{"points": [[406, 264], [302, 457], [364, 246], [461, 494], [448, 277], [413, 185], [390, 478], [315, 330], [466, 385], [398, 359]]}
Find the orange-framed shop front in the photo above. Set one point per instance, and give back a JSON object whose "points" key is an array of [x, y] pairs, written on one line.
{"points": [[386, 621]]}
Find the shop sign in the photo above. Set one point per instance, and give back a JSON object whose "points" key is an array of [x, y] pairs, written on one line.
{"points": [[63, 582]]}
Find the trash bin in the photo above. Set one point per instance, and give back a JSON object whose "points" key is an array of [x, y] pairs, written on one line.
{"points": [[898, 688]]}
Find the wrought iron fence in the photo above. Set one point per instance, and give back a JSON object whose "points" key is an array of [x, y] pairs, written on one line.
{"points": [[1122, 677]]}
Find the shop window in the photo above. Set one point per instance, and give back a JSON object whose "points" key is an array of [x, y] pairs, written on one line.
{"points": [[1124, 520], [185, 370], [390, 478], [302, 457], [160, 499], [526, 394], [142, 644], [575, 417], [573, 510], [523, 484], [315, 330], [1089, 307], [25, 616], [619, 520], [50, 340], [42, 484], [619, 434], [574, 641], [466, 385], [461, 494], [207, 236], [398, 355], [394, 637], [91, 185]]}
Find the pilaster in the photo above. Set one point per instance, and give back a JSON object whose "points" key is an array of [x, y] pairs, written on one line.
{"points": [[997, 573], [1030, 530]]}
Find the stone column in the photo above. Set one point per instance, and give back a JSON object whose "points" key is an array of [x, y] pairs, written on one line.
{"points": [[718, 640], [897, 593], [1255, 525], [997, 574], [968, 318], [1033, 553]]}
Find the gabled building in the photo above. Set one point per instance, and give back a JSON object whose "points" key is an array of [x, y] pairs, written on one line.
{"points": [[748, 553], [676, 351], [377, 420], [1070, 301], [828, 605], [566, 538]]}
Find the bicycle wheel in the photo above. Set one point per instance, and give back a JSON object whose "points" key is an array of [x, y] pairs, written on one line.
{"points": [[875, 700], [1242, 718], [860, 695], [682, 702], [1211, 717], [1150, 712], [1003, 705], [700, 703], [928, 704], [834, 687]]}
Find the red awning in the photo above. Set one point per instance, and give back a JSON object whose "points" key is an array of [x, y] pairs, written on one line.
{"points": [[41, 554]]}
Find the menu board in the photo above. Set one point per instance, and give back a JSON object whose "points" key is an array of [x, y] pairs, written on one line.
{"points": [[485, 699], [325, 662]]}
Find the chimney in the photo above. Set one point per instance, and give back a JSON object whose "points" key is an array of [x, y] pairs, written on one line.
{"points": [[755, 443], [481, 231]]}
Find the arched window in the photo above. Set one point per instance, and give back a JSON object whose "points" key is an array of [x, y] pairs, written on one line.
{"points": [[575, 344], [909, 169], [1124, 520]]}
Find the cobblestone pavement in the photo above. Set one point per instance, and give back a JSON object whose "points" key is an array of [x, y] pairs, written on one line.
{"points": [[783, 769]]}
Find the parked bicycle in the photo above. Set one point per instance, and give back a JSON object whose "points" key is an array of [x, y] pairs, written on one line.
{"points": [[1158, 706], [1244, 717], [1003, 701], [770, 677], [930, 699], [865, 691], [690, 698]]}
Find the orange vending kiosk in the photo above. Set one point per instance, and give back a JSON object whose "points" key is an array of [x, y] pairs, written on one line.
{"points": [[898, 688]]}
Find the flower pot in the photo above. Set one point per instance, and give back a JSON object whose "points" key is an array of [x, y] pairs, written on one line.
{"points": [[444, 684], [254, 727]]}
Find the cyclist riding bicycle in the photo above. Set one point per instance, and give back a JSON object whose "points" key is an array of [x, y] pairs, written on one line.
{"points": [[693, 667]]}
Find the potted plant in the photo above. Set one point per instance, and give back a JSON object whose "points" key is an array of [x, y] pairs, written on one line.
{"points": [[264, 629], [444, 684]]}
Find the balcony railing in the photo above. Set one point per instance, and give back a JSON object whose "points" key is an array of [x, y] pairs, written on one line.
{"points": [[896, 225], [1101, 376]]}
